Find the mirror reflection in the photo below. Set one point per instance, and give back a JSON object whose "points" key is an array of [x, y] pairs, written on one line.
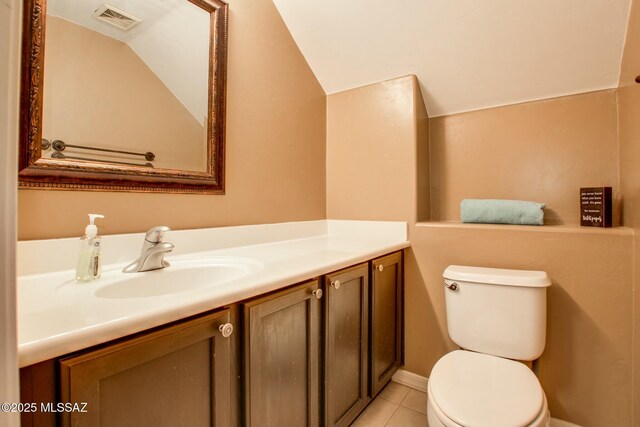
{"points": [[126, 82]]}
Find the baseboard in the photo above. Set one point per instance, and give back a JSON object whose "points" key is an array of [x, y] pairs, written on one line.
{"points": [[418, 382], [561, 423], [415, 381]]}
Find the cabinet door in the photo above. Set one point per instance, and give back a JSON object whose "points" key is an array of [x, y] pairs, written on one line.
{"points": [[386, 319], [38, 385], [282, 338], [178, 376], [346, 351]]}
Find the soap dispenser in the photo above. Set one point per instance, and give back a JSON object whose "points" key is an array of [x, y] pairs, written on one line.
{"points": [[89, 259]]}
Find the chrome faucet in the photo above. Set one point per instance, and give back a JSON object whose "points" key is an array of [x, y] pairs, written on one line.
{"points": [[153, 252]]}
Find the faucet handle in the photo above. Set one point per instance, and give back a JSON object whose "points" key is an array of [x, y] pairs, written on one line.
{"points": [[156, 234]]}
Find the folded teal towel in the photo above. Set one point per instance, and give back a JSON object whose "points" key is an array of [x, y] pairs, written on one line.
{"points": [[490, 211]]}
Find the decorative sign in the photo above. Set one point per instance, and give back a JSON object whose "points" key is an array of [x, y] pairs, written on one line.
{"points": [[595, 207]]}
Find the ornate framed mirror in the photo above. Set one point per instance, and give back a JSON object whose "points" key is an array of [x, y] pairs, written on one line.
{"points": [[123, 95]]}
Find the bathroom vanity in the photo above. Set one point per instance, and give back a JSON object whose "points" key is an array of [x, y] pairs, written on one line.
{"points": [[310, 348]]}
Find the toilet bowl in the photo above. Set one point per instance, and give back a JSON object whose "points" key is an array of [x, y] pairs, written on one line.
{"points": [[478, 390], [497, 316]]}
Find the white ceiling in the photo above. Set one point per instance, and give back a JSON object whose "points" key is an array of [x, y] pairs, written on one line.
{"points": [[467, 54], [172, 39]]}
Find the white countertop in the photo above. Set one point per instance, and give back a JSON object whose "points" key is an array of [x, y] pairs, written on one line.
{"points": [[57, 316]]}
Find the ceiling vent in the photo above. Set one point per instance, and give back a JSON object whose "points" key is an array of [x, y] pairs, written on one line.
{"points": [[116, 17]]}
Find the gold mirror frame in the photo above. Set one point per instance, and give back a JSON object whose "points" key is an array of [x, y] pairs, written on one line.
{"points": [[35, 172]]}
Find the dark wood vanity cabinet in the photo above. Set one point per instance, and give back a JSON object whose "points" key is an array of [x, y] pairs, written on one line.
{"points": [[308, 355], [386, 319], [177, 376], [282, 358], [347, 349]]}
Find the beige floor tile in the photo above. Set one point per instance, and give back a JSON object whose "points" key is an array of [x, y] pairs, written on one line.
{"points": [[377, 414], [394, 392], [415, 400], [405, 417]]}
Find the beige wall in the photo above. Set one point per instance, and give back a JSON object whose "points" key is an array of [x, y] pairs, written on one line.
{"points": [[540, 151], [629, 105], [275, 148], [372, 147], [372, 164], [629, 128], [99, 93], [9, 83]]}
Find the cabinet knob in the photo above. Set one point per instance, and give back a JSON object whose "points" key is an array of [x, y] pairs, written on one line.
{"points": [[336, 284], [226, 329], [380, 267], [317, 293]]}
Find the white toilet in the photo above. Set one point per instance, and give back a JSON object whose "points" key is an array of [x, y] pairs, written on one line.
{"points": [[495, 315]]}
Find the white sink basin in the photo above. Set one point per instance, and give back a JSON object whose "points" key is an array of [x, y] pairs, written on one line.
{"points": [[180, 276]]}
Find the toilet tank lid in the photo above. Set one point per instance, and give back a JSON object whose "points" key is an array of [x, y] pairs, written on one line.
{"points": [[497, 276]]}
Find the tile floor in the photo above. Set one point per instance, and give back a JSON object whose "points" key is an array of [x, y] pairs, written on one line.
{"points": [[396, 406]]}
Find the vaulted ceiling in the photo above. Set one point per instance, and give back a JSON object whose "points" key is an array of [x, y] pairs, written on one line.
{"points": [[172, 39], [467, 54]]}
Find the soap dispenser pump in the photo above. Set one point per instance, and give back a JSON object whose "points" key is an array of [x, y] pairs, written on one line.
{"points": [[89, 265]]}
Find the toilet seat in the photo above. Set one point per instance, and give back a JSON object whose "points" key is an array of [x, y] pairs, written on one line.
{"points": [[474, 389], [436, 418]]}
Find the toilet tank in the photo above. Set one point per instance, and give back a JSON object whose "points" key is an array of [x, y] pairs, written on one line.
{"points": [[496, 311]]}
